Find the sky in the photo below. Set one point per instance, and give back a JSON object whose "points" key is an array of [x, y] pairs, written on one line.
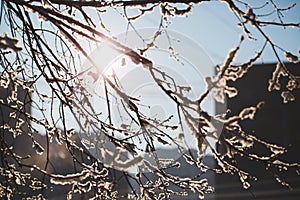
{"points": [[205, 36], [214, 27]]}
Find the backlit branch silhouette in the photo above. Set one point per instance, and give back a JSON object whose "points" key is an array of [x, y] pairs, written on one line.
{"points": [[48, 116]]}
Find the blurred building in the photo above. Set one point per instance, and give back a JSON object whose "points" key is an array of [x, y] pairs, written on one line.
{"points": [[192, 171], [7, 138], [185, 170], [276, 123], [57, 156]]}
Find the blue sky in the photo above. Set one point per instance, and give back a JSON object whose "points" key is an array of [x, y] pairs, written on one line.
{"points": [[213, 26]]}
